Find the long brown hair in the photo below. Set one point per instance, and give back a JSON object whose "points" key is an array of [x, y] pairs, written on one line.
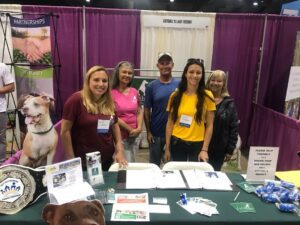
{"points": [[182, 87]]}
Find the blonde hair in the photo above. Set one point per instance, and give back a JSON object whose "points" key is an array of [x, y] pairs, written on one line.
{"points": [[219, 74], [105, 104]]}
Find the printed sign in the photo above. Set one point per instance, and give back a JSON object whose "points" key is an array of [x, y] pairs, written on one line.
{"points": [[31, 40], [262, 163], [187, 22], [32, 46]]}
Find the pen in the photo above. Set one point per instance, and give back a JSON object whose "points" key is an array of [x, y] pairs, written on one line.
{"points": [[237, 195], [183, 198]]}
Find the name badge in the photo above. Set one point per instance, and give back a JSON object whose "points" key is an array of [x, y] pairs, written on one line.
{"points": [[185, 121], [103, 126]]}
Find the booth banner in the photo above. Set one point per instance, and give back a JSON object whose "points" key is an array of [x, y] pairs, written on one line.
{"points": [[292, 98], [34, 81], [140, 83], [176, 21], [31, 40], [293, 89], [292, 109]]}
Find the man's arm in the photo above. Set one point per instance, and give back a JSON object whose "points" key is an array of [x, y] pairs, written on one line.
{"points": [[7, 88], [169, 130], [147, 116]]}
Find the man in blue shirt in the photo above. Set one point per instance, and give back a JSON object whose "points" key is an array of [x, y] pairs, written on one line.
{"points": [[156, 99]]}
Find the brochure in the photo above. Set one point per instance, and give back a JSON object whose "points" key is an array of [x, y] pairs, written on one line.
{"points": [[131, 207], [64, 179]]}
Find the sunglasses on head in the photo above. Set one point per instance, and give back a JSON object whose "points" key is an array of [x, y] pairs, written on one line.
{"points": [[195, 60]]}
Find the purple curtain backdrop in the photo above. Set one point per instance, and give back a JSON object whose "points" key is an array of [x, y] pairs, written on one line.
{"points": [[237, 42], [280, 40], [69, 38], [270, 128], [112, 35]]}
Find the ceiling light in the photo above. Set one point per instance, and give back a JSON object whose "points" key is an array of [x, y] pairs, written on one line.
{"points": [[171, 0], [255, 3], [87, 0]]}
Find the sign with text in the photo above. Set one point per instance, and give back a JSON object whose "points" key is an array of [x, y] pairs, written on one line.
{"points": [[293, 89], [262, 163], [187, 22]]}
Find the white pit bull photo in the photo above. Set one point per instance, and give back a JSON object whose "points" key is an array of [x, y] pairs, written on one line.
{"points": [[40, 142]]}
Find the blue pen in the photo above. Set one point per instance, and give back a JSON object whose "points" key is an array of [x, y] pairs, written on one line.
{"points": [[183, 198]]}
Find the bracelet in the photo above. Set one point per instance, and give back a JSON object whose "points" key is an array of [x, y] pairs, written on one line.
{"points": [[204, 150]]}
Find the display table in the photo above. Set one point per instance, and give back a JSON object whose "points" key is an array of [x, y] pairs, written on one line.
{"points": [[265, 213]]}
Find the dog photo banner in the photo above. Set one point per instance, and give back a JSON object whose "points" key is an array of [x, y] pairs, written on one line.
{"points": [[34, 81], [31, 40]]}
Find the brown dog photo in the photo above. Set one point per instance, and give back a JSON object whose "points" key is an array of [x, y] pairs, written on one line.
{"points": [[76, 213], [40, 141]]}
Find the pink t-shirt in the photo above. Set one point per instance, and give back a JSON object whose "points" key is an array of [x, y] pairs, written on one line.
{"points": [[127, 107]]}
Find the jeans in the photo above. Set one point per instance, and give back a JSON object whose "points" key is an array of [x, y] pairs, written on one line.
{"points": [[185, 151], [3, 123], [157, 150], [131, 147]]}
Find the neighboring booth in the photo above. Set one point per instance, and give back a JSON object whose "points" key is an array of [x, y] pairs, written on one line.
{"points": [[270, 128], [291, 9]]}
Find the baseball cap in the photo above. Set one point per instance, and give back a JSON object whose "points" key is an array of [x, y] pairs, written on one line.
{"points": [[164, 55]]}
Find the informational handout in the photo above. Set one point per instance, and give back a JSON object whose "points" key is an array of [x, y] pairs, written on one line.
{"points": [[64, 179], [207, 180], [177, 179], [141, 179], [171, 179], [262, 163], [131, 207]]}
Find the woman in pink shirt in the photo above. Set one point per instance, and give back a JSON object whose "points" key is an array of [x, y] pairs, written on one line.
{"points": [[128, 107]]}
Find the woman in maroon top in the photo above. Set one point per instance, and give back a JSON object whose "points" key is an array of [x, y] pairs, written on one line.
{"points": [[89, 121]]}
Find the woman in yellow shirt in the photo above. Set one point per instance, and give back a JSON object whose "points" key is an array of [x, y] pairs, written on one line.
{"points": [[191, 116]]}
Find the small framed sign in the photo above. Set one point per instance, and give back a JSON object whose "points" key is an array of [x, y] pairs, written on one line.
{"points": [[262, 163]]}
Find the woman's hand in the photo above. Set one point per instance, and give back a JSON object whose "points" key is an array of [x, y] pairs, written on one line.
{"points": [[119, 155], [227, 157], [150, 138], [203, 156], [120, 158], [135, 132], [167, 156]]}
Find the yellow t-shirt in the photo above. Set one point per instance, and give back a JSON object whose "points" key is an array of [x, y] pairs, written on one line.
{"points": [[187, 108]]}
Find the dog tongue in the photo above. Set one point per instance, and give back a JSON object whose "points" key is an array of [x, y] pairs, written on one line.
{"points": [[28, 119]]}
